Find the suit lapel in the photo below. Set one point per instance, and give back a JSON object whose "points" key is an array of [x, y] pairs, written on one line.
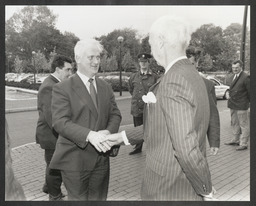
{"points": [[234, 82], [82, 92]]}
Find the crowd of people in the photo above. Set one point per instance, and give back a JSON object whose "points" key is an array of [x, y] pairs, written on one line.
{"points": [[79, 120]]}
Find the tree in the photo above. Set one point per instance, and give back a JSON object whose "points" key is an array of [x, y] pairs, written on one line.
{"points": [[205, 63], [128, 63], [41, 63], [18, 65], [209, 37], [130, 43], [145, 46], [25, 19], [33, 29]]}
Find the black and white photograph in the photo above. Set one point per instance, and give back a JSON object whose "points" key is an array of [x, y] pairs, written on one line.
{"points": [[127, 103]]}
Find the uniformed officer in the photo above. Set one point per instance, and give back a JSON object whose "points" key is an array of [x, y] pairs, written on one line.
{"points": [[139, 84]]}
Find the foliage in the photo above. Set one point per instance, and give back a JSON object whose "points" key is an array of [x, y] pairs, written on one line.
{"points": [[128, 63], [130, 43], [115, 84], [25, 85], [205, 63], [220, 46], [33, 29], [18, 65], [41, 63]]}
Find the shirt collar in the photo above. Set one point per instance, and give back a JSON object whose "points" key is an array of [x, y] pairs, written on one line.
{"points": [[82, 76], [56, 77], [238, 74], [85, 79], [173, 62]]}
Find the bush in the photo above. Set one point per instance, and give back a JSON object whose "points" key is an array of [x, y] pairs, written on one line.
{"points": [[115, 84], [24, 85]]}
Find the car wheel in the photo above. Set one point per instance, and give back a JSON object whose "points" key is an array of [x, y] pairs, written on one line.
{"points": [[226, 95]]}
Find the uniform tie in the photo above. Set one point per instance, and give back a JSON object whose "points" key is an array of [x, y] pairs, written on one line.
{"points": [[93, 92]]}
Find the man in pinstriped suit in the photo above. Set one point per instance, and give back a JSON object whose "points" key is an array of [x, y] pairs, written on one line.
{"points": [[176, 124]]}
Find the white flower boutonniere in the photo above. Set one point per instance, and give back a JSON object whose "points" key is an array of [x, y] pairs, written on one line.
{"points": [[149, 98]]}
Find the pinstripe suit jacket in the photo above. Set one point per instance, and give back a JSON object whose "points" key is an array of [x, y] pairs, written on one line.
{"points": [[175, 134]]}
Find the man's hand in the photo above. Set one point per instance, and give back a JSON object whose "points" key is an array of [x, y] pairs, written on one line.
{"points": [[214, 150], [96, 139], [113, 139]]}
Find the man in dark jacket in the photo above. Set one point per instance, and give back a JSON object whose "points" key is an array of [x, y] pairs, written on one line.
{"points": [[239, 103], [139, 84], [213, 132], [46, 136]]}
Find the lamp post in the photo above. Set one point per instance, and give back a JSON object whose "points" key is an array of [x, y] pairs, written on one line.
{"points": [[120, 39], [33, 57]]}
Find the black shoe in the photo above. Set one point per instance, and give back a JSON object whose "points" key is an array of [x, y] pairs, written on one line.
{"points": [[45, 189], [57, 198], [135, 151], [232, 143], [241, 148]]}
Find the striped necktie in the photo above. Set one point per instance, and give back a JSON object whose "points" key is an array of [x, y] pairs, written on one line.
{"points": [[93, 92]]}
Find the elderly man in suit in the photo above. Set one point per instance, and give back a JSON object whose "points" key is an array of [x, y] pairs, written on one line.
{"points": [[46, 136], [239, 103], [83, 112], [213, 132], [176, 122]]}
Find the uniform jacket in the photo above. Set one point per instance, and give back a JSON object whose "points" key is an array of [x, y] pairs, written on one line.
{"points": [[213, 132], [175, 135], [139, 85], [74, 116], [239, 92], [46, 136]]}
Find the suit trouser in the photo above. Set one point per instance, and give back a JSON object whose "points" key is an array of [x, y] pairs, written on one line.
{"points": [[53, 177], [88, 184], [240, 126], [137, 121]]}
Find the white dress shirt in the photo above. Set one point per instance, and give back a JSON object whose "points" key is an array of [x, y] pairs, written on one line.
{"points": [[86, 82]]}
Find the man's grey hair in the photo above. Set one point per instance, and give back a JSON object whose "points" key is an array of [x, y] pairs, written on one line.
{"points": [[173, 30], [83, 45]]}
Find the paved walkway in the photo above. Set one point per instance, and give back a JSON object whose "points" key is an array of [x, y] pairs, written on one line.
{"points": [[230, 170]]}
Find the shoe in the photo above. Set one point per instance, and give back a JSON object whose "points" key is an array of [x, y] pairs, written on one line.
{"points": [[57, 198], [241, 148], [232, 143], [136, 151], [45, 189]]}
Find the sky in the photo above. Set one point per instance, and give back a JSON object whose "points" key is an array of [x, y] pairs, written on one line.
{"points": [[94, 21]]}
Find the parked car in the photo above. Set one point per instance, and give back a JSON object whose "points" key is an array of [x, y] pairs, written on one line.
{"points": [[221, 90]]}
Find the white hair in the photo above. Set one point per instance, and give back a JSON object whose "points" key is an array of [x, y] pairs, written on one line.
{"points": [[172, 30], [83, 45]]}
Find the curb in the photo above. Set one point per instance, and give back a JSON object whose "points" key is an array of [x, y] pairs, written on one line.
{"points": [[7, 111]]}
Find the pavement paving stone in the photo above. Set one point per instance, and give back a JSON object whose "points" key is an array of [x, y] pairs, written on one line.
{"points": [[230, 170]]}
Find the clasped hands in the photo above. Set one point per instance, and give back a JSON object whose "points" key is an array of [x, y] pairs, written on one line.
{"points": [[103, 140]]}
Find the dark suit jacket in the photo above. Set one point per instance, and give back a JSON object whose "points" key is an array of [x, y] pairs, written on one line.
{"points": [[213, 132], [74, 116], [175, 135], [46, 136], [239, 92]]}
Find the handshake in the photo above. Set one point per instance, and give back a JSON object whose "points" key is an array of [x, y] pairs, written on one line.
{"points": [[103, 140]]}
